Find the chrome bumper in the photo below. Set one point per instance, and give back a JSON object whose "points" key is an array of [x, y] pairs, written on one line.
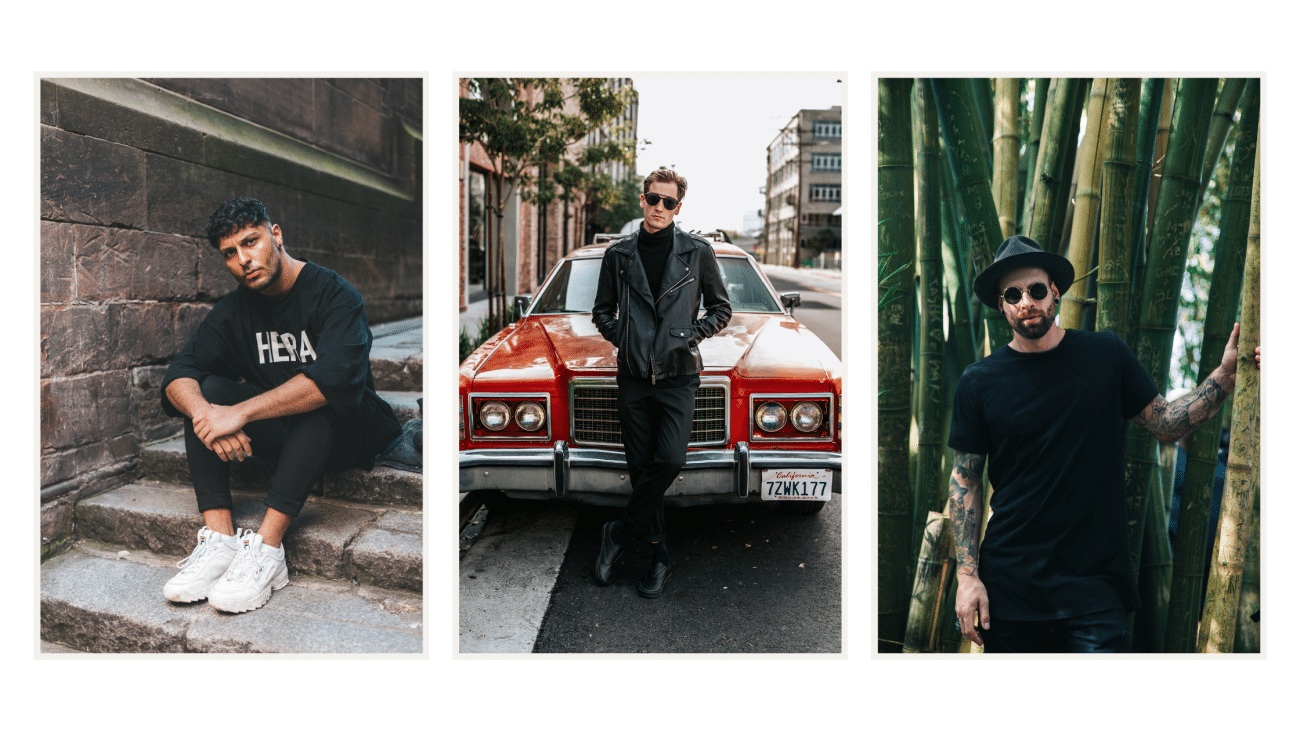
{"points": [[709, 475]]}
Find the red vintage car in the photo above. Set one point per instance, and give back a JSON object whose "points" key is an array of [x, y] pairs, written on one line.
{"points": [[538, 415]]}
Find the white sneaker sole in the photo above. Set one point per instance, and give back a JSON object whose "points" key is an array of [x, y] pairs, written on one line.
{"points": [[184, 597], [235, 606]]}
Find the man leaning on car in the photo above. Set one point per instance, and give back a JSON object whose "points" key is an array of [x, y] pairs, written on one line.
{"points": [[651, 285]]}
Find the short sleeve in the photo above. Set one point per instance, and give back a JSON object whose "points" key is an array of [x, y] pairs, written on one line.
{"points": [[968, 432], [1136, 387]]}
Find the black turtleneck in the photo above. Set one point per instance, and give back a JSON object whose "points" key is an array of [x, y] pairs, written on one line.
{"points": [[654, 249]]}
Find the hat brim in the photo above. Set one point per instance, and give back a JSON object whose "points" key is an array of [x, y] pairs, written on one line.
{"points": [[1057, 267]]}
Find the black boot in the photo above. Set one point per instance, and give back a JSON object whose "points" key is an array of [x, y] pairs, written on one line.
{"points": [[608, 556], [653, 584]]}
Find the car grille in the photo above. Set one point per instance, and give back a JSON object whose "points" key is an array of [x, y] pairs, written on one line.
{"points": [[595, 415]]}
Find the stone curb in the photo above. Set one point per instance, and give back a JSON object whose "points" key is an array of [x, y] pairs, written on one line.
{"points": [[326, 539], [97, 604]]}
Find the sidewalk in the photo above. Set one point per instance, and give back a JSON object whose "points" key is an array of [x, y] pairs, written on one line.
{"points": [[777, 269], [472, 316]]}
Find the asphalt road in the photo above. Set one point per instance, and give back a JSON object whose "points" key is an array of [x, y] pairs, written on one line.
{"points": [[820, 308]]}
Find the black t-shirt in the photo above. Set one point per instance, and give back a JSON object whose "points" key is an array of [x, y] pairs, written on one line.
{"points": [[1052, 425], [319, 329]]}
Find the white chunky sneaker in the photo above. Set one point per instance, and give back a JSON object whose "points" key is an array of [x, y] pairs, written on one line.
{"points": [[255, 572], [202, 568]]}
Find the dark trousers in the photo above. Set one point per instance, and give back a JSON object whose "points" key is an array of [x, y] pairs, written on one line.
{"points": [[300, 444], [1103, 631], [656, 424]]}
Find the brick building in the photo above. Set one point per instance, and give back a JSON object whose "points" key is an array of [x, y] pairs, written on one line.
{"points": [[802, 215], [536, 236], [130, 171]]}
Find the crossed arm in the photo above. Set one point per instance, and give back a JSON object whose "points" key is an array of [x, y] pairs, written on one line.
{"points": [[221, 428]]}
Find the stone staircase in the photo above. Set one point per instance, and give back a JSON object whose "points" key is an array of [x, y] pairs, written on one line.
{"points": [[355, 553]]}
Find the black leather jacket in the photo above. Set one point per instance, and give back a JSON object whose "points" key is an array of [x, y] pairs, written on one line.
{"points": [[656, 333]]}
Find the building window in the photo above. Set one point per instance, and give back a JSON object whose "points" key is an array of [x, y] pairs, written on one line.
{"points": [[826, 130], [825, 193], [826, 161]]}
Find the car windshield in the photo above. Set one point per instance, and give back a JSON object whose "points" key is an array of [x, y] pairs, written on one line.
{"points": [[573, 288]]}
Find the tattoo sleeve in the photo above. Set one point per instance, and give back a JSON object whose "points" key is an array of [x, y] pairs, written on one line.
{"points": [[1168, 421], [966, 505]]}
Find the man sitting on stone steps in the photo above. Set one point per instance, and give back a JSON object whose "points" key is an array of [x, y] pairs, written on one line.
{"points": [[280, 370]]}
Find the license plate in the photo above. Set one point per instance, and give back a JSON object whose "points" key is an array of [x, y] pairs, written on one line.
{"points": [[796, 485]]}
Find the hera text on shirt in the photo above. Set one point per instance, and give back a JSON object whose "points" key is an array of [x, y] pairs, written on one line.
{"points": [[276, 347]]}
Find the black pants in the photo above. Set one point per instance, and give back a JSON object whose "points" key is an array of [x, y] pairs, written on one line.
{"points": [[301, 445], [656, 423], [1103, 631]]}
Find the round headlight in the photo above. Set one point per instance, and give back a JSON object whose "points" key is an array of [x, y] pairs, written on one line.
{"points": [[770, 416], [494, 415], [530, 416], [806, 416]]}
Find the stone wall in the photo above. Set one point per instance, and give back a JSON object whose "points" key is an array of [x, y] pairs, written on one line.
{"points": [[130, 171]]}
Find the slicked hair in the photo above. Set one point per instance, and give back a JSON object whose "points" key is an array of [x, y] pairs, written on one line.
{"points": [[665, 176], [233, 216]]}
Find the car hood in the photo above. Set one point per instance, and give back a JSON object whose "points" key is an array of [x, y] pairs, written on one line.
{"points": [[751, 345]]}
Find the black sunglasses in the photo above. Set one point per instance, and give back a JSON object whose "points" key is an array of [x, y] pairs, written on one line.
{"points": [[1037, 290], [653, 200]]}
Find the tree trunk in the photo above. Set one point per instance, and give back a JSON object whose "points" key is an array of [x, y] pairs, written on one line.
{"points": [[1006, 153], [954, 106], [934, 567], [1219, 621], [931, 488], [894, 359], [1117, 194], [1175, 213], [1086, 204], [1194, 530]]}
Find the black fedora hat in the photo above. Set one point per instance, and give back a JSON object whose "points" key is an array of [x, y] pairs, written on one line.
{"points": [[1019, 252]]}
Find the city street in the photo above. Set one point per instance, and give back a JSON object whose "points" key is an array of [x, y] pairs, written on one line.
{"points": [[745, 578]]}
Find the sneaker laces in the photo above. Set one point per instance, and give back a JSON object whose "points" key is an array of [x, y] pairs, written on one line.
{"points": [[245, 562], [195, 559]]}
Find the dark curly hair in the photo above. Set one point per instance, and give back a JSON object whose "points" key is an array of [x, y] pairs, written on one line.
{"points": [[235, 215]]}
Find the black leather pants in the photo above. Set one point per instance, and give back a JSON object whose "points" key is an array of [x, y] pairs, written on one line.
{"points": [[656, 424], [1103, 631]]}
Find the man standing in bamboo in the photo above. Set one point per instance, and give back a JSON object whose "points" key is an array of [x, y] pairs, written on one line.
{"points": [[1047, 411]]}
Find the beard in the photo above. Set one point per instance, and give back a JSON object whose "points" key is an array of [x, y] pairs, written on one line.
{"points": [[1038, 329]]}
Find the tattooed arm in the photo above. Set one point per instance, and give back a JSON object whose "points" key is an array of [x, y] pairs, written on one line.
{"points": [[1169, 421], [966, 506]]}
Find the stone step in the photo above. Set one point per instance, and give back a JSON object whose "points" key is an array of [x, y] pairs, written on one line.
{"points": [[406, 405], [397, 355], [165, 461], [94, 599], [369, 545]]}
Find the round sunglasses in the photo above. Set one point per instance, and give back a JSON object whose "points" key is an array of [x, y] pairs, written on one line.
{"points": [[652, 199], [1037, 290]]}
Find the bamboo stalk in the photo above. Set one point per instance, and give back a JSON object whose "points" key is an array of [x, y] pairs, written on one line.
{"points": [[1153, 107], [1006, 152], [931, 486], [1114, 255], [1219, 620], [966, 160], [956, 265], [1050, 172], [1087, 200], [1043, 91], [894, 358], [1142, 243], [1194, 529], [1168, 258], [1248, 606], [1224, 111], [933, 568], [1057, 237]]}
